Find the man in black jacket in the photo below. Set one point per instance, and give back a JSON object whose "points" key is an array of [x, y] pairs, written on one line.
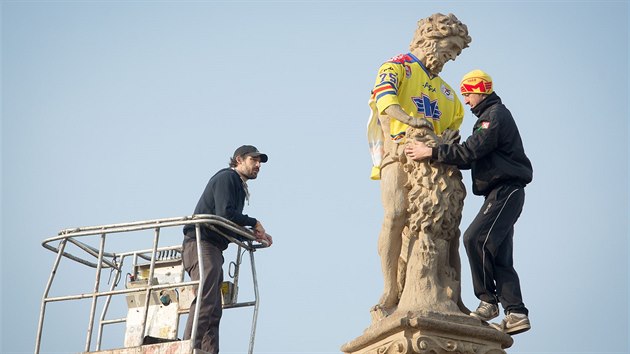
{"points": [[500, 170], [224, 196]]}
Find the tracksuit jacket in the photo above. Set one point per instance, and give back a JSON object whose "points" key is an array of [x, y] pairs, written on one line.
{"points": [[224, 196], [494, 152], [500, 170]]}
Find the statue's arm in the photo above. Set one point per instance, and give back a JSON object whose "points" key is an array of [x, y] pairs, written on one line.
{"points": [[396, 112]]}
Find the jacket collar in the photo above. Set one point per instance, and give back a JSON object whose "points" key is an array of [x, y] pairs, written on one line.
{"points": [[491, 100]]}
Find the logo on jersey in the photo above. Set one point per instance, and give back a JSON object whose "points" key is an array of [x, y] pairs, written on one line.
{"points": [[427, 107], [448, 93], [428, 87], [407, 71]]}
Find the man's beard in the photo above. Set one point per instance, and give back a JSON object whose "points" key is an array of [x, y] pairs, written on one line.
{"points": [[433, 64]]}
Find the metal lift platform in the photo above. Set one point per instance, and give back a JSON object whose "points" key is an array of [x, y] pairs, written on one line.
{"points": [[154, 290]]}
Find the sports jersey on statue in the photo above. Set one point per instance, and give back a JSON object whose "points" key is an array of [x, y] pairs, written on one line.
{"points": [[403, 80]]}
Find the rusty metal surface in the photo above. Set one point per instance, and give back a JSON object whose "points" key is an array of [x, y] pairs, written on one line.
{"points": [[156, 292], [178, 347]]}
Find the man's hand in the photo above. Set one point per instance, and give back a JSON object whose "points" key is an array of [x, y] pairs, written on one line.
{"points": [[261, 236], [267, 240], [258, 229], [417, 150]]}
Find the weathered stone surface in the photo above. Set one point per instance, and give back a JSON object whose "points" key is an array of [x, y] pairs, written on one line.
{"points": [[419, 238], [429, 264], [429, 332], [421, 310]]}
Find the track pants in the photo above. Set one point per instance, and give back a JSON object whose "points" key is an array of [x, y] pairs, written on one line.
{"points": [[489, 244], [211, 308]]}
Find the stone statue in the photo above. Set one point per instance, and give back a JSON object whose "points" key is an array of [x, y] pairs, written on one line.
{"points": [[429, 267], [409, 94], [421, 311]]}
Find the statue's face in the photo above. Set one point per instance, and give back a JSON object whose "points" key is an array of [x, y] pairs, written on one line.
{"points": [[444, 49]]}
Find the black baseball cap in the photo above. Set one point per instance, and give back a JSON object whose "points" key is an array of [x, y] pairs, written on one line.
{"points": [[249, 150]]}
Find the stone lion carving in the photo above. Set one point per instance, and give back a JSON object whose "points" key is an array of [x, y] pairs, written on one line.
{"points": [[431, 278], [429, 267]]}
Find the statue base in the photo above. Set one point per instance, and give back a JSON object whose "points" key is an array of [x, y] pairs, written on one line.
{"points": [[426, 332]]}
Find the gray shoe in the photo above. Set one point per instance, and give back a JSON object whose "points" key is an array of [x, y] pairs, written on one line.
{"points": [[486, 311], [513, 324]]}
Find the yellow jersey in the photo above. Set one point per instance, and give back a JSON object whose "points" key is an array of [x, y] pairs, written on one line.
{"points": [[403, 80]]}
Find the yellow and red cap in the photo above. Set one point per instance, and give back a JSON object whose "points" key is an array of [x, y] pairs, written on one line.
{"points": [[476, 81]]}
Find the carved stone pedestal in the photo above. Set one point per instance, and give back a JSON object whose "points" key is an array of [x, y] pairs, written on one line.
{"points": [[429, 333]]}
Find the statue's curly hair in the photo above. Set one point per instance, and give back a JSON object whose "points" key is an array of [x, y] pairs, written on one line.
{"points": [[438, 26]]}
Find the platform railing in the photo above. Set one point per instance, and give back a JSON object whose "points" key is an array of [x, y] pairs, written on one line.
{"points": [[100, 259]]}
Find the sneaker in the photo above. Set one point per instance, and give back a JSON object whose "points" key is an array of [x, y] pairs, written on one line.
{"points": [[486, 311], [513, 323]]}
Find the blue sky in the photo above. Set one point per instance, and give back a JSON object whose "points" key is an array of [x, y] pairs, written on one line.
{"points": [[119, 111]]}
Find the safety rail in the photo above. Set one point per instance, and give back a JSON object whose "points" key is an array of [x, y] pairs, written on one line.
{"points": [[115, 261]]}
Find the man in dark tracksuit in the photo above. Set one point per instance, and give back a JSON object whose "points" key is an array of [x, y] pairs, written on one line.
{"points": [[500, 171], [225, 196]]}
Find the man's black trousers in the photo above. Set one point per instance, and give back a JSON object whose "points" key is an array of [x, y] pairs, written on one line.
{"points": [[207, 338], [489, 243]]}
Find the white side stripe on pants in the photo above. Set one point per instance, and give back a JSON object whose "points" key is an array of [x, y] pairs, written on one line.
{"points": [[483, 260]]}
